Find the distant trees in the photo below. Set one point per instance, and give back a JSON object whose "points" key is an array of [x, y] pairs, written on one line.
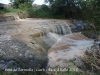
{"points": [[70, 8], [17, 3], [91, 12], [25, 6], [44, 7]]}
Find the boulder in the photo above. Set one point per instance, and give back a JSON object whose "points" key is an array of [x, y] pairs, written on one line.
{"points": [[17, 54], [67, 48]]}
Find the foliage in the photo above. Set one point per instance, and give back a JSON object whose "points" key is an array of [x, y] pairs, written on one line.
{"points": [[26, 10], [25, 6], [9, 10], [37, 13], [93, 17], [44, 7], [17, 3], [30, 12], [91, 61], [36, 6], [69, 8]]}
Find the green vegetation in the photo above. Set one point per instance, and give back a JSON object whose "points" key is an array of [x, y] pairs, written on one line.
{"points": [[91, 61], [17, 3], [10, 10], [69, 8], [93, 17]]}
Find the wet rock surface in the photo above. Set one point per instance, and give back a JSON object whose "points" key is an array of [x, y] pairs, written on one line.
{"points": [[67, 48], [79, 25], [15, 53], [6, 18], [48, 32]]}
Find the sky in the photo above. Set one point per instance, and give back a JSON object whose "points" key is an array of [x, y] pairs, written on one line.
{"points": [[40, 2]]}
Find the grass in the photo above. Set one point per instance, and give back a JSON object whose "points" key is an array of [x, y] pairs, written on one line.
{"points": [[10, 10]]}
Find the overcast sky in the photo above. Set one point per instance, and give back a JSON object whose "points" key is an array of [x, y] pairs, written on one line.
{"points": [[40, 2]]}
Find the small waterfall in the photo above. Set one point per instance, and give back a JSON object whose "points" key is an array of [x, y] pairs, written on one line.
{"points": [[66, 29], [59, 29], [62, 29], [52, 33]]}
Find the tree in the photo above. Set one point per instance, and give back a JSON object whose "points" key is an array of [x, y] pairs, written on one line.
{"points": [[92, 15], [25, 6], [44, 7], [16, 3], [70, 8]]}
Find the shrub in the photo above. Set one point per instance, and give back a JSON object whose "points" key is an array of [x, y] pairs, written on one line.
{"points": [[31, 13], [25, 6], [25, 10], [44, 7], [91, 61]]}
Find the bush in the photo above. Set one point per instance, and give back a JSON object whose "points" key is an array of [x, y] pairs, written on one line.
{"points": [[30, 12], [43, 12], [91, 61], [44, 7], [25, 6], [25, 10]]}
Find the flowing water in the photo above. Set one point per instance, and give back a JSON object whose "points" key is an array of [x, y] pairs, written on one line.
{"points": [[50, 33]]}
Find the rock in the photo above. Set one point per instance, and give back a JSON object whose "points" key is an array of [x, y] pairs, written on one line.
{"points": [[6, 18], [23, 56], [79, 25], [23, 51], [2, 64], [79, 63], [67, 48], [47, 35]]}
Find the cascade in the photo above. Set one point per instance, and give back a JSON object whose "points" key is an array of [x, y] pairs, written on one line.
{"points": [[50, 34]]}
